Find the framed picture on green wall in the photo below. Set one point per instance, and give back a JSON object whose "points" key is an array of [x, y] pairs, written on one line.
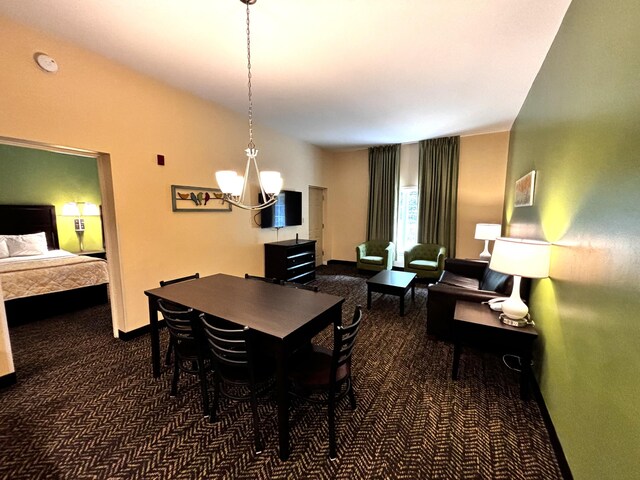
{"points": [[197, 199], [524, 190]]}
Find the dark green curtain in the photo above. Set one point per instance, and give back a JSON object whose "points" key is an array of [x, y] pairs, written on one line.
{"points": [[438, 191], [384, 181]]}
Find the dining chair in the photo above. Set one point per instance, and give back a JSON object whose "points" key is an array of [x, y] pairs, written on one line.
{"points": [[238, 373], [175, 307], [188, 356], [264, 279], [319, 370], [301, 286]]}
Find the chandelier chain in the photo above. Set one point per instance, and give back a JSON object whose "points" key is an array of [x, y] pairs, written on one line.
{"points": [[251, 145], [235, 187]]}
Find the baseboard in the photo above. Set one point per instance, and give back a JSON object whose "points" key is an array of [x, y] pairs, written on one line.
{"points": [[138, 332], [341, 262], [131, 334], [553, 436], [8, 380]]}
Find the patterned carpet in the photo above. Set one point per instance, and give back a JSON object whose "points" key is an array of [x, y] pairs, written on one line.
{"points": [[87, 407]]}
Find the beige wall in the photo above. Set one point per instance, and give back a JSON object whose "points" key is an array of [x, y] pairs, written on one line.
{"points": [[481, 184], [347, 182], [94, 104], [409, 164]]}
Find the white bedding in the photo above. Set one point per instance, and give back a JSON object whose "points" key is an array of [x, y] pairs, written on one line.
{"points": [[30, 258], [55, 271]]}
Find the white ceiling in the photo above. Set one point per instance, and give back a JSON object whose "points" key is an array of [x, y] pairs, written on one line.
{"points": [[335, 73]]}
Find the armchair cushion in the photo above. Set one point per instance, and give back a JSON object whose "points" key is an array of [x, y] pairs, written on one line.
{"points": [[424, 265], [372, 259]]}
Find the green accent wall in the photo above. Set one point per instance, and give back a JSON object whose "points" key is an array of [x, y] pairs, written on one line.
{"points": [[579, 128], [31, 176]]}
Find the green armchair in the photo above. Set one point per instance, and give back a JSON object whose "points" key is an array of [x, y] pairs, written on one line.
{"points": [[375, 255], [425, 260]]}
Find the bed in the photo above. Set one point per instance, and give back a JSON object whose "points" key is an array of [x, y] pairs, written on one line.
{"points": [[51, 281]]}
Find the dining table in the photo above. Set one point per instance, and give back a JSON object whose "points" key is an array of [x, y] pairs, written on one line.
{"points": [[282, 317]]}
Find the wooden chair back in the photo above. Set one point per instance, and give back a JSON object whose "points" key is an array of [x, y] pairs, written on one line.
{"points": [[344, 339]]}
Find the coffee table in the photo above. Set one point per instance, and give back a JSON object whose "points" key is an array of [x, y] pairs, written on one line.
{"points": [[392, 282]]}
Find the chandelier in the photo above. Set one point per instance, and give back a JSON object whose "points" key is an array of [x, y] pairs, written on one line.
{"points": [[233, 186]]}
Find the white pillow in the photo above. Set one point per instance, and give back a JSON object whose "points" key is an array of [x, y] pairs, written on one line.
{"points": [[4, 249], [23, 245]]}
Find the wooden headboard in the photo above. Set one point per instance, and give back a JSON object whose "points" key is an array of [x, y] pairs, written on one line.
{"points": [[21, 219]]}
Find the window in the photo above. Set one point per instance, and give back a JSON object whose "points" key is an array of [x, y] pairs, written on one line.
{"points": [[407, 218]]}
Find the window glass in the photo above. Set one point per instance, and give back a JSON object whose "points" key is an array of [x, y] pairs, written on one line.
{"points": [[407, 229]]}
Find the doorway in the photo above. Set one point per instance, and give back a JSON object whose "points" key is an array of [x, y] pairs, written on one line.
{"points": [[316, 220], [103, 162]]}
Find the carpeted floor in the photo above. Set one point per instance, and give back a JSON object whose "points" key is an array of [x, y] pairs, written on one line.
{"points": [[87, 407]]}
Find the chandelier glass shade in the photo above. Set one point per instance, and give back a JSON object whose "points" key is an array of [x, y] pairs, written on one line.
{"points": [[233, 186]]}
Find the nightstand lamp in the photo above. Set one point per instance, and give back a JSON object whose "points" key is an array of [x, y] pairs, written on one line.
{"points": [[520, 258], [72, 209], [487, 232]]}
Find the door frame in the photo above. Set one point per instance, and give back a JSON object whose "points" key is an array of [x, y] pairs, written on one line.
{"points": [[324, 215]]}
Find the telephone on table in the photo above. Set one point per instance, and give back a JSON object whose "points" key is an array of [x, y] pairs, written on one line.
{"points": [[495, 304]]}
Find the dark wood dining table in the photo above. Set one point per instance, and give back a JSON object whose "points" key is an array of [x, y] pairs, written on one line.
{"points": [[284, 318]]}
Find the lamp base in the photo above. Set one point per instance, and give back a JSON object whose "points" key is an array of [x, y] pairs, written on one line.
{"points": [[485, 254], [521, 322]]}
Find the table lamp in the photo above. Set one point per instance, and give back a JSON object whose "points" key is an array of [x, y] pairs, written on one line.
{"points": [[73, 209], [486, 232], [520, 258]]}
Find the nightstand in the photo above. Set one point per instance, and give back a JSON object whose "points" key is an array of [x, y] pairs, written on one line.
{"points": [[476, 323]]}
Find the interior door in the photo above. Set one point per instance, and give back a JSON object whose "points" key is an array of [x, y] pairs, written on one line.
{"points": [[316, 220]]}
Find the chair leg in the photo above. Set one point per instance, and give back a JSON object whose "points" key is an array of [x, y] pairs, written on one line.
{"points": [[170, 348], [256, 421], [203, 387], [352, 395], [176, 376], [332, 424], [216, 398]]}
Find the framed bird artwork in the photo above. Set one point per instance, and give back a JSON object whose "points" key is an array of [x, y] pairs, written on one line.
{"points": [[197, 199]]}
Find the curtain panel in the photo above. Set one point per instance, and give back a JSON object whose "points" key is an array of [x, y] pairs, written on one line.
{"points": [[384, 184], [438, 191]]}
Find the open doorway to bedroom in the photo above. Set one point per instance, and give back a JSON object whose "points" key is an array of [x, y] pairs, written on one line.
{"points": [[38, 174]]}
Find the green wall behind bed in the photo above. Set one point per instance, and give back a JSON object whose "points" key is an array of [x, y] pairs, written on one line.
{"points": [[31, 176]]}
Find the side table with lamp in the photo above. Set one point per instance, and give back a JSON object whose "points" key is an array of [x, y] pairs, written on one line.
{"points": [[511, 330]]}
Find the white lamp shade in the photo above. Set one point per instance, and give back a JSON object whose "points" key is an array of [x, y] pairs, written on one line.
{"points": [[237, 185], [71, 209], [487, 231], [227, 180], [271, 182], [90, 210], [526, 258]]}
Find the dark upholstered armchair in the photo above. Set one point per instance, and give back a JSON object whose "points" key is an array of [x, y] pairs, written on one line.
{"points": [[467, 280], [375, 255], [426, 260]]}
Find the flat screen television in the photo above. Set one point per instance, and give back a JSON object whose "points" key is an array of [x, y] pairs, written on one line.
{"points": [[286, 212]]}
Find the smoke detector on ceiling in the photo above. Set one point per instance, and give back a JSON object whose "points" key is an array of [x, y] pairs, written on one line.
{"points": [[45, 62]]}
